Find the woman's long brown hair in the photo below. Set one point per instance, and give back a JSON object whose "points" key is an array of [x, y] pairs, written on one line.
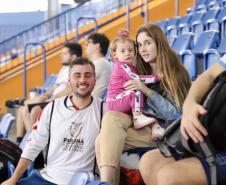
{"points": [[174, 77]]}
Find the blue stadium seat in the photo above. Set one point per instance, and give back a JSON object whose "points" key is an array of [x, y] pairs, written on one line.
{"points": [[196, 25], [210, 20], [50, 80], [5, 124], [213, 4], [190, 11], [211, 56], [163, 24], [222, 47], [223, 3], [171, 40], [171, 29], [222, 20], [207, 40], [201, 8], [183, 42], [183, 24], [188, 59]]}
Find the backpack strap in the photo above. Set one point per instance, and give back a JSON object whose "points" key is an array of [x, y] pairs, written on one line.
{"points": [[101, 116], [50, 120], [208, 154], [211, 159]]}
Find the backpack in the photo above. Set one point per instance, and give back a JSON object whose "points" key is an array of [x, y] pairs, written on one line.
{"points": [[9, 154], [215, 103]]}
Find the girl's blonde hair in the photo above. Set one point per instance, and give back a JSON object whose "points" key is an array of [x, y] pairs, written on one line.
{"points": [[174, 77], [122, 36]]}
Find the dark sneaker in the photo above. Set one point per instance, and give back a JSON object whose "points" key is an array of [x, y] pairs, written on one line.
{"points": [[14, 103]]}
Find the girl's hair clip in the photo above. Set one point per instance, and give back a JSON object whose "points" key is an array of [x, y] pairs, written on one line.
{"points": [[123, 33]]}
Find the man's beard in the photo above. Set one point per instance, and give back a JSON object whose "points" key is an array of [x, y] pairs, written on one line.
{"points": [[82, 95]]}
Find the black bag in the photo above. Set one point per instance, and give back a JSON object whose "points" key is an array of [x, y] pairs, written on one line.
{"points": [[214, 121], [8, 152]]}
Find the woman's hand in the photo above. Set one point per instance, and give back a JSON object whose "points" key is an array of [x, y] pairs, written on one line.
{"points": [[133, 85], [190, 124]]}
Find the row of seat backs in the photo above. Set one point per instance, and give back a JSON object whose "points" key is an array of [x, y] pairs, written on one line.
{"points": [[207, 40], [211, 20], [207, 48], [204, 5]]}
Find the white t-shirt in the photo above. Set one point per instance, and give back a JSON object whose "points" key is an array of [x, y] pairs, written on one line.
{"points": [[103, 71], [72, 139], [62, 79]]}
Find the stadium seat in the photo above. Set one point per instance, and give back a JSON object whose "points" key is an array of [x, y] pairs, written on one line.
{"points": [[223, 3], [190, 11], [207, 40], [188, 59], [211, 56], [213, 4], [183, 24], [210, 20], [197, 26], [200, 7], [50, 80], [171, 40], [163, 24], [5, 125], [222, 20], [171, 29], [183, 42], [222, 47]]}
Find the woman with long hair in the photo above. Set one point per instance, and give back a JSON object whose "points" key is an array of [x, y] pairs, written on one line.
{"points": [[163, 100]]}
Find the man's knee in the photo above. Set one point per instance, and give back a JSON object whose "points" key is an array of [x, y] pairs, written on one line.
{"points": [[116, 119]]}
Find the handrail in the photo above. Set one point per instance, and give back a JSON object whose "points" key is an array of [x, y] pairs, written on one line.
{"points": [[177, 7], [146, 13], [25, 63], [128, 15], [41, 32], [85, 18]]}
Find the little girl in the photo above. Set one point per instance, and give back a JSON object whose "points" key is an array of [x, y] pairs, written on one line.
{"points": [[123, 51]]}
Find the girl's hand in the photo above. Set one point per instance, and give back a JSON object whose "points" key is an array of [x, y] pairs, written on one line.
{"points": [[133, 85]]}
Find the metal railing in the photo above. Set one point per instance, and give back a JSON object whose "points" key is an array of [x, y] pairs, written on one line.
{"points": [[25, 63], [56, 28]]}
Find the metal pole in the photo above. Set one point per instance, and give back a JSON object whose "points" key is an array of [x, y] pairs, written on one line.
{"points": [[25, 63], [65, 27], [128, 15], [177, 7], [146, 13]]}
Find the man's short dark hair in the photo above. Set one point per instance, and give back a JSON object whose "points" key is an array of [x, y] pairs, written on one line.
{"points": [[74, 49], [99, 38], [82, 61]]}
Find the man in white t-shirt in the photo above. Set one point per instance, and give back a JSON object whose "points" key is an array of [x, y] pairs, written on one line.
{"points": [[25, 119], [68, 126], [96, 48]]}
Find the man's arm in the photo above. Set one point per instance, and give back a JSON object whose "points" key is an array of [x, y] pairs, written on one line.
{"points": [[19, 171], [190, 125]]}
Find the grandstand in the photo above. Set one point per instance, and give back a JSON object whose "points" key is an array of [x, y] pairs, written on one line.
{"points": [[196, 30], [68, 26]]}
